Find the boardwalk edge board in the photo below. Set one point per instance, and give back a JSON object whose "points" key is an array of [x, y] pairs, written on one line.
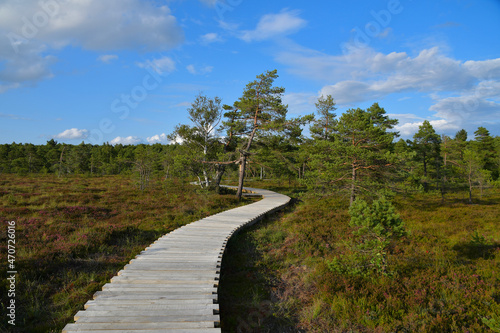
{"points": [[172, 285]]}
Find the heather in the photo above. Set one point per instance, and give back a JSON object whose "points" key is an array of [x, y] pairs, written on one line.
{"points": [[74, 233], [442, 276]]}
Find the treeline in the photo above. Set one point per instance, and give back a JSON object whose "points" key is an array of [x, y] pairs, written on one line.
{"points": [[63, 159], [357, 153]]}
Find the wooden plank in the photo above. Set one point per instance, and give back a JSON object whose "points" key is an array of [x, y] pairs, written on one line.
{"points": [[140, 325], [174, 304], [169, 330], [145, 311], [174, 315], [203, 296], [157, 319]]}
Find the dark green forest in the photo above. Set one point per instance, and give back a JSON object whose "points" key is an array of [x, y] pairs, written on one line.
{"points": [[357, 153]]}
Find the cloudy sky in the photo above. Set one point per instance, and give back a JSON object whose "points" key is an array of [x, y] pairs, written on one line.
{"points": [[125, 71]]}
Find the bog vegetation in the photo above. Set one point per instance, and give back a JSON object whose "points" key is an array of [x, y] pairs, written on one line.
{"points": [[385, 234]]}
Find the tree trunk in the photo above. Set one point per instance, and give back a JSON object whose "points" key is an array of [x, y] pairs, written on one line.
{"points": [[29, 163], [426, 185], [353, 186], [470, 185], [61, 161], [219, 172], [243, 162]]}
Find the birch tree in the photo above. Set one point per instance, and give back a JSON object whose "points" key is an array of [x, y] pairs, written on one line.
{"points": [[203, 134]]}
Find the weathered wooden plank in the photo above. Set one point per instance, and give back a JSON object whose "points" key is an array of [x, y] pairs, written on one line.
{"points": [[154, 299], [159, 286], [139, 326], [175, 315], [127, 311], [202, 296], [166, 278], [171, 272], [157, 319], [167, 304], [169, 330]]}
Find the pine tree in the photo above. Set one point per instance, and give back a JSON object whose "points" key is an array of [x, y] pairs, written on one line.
{"points": [[259, 109], [426, 144], [324, 126], [360, 157], [484, 145]]}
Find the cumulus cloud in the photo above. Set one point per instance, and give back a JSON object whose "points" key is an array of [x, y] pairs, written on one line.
{"points": [[28, 65], [201, 71], [162, 66], [129, 140], [32, 30], [463, 93], [440, 126], [300, 103], [177, 139], [73, 134], [211, 37], [273, 25], [162, 138], [107, 58], [93, 24]]}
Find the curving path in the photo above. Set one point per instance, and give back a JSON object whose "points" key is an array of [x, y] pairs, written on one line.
{"points": [[172, 285]]}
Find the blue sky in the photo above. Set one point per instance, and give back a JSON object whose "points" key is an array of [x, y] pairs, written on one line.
{"points": [[125, 71]]}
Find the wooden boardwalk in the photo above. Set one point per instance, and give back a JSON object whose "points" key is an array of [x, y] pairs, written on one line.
{"points": [[171, 286]]}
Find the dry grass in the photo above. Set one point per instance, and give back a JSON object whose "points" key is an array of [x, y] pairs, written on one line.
{"points": [[444, 273], [73, 234]]}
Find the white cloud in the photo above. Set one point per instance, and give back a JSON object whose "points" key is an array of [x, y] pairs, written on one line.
{"points": [[211, 37], [162, 138], [5, 87], [300, 103], [34, 30], [463, 94], [440, 126], [349, 92], [129, 140], [204, 70], [94, 24], [186, 104], [191, 69], [107, 58], [164, 65], [13, 117], [28, 65], [385, 33], [73, 134], [177, 139], [273, 25]]}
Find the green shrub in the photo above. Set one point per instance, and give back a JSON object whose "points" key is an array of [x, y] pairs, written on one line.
{"points": [[375, 227]]}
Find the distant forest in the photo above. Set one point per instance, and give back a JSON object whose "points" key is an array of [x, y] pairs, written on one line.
{"points": [[357, 153], [430, 160]]}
